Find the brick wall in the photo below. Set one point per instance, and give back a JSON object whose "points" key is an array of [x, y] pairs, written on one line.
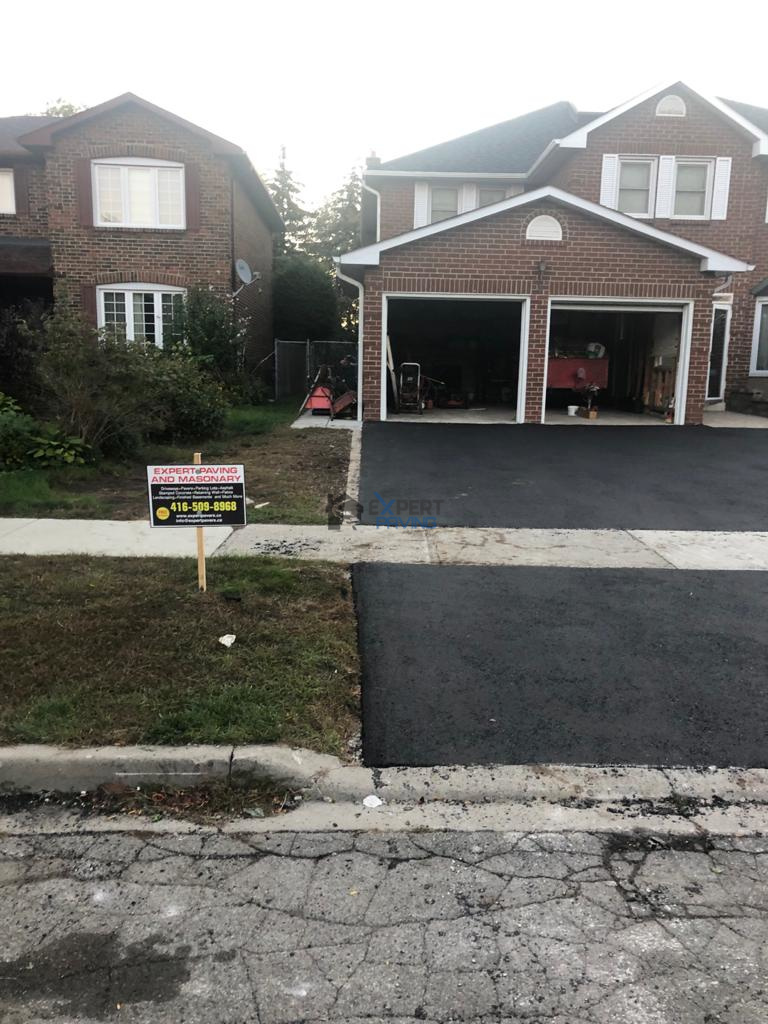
{"points": [[31, 217], [87, 255], [252, 242], [493, 257], [396, 207], [744, 234]]}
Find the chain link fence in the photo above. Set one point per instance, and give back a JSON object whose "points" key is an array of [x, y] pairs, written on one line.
{"points": [[297, 362]]}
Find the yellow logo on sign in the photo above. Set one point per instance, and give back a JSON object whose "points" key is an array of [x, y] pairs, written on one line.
{"points": [[162, 513]]}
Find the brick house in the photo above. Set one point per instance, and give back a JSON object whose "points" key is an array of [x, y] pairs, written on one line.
{"points": [[627, 249], [120, 208]]}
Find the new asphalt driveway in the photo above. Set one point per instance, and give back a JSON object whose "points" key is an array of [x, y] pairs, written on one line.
{"points": [[479, 665], [568, 477]]}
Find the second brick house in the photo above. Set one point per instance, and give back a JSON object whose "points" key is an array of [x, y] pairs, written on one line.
{"points": [[123, 207], [627, 249]]}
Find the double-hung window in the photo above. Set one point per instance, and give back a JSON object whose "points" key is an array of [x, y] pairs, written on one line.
{"points": [[693, 188], [145, 313], [637, 179], [135, 193], [486, 196], [760, 340], [7, 191], [444, 203]]}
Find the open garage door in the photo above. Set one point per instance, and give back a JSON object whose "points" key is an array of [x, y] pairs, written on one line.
{"points": [[616, 365], [455, 359]]}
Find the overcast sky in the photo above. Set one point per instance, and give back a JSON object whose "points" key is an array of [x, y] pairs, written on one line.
{"points": [[334, 81]]}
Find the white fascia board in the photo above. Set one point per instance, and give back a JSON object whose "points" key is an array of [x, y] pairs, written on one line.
{"points": [[711, 259], [371, 172], [578, 139]]}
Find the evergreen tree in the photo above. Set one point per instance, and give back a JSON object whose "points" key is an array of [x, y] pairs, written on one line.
{"points": [[285, 192], [336, 225]]}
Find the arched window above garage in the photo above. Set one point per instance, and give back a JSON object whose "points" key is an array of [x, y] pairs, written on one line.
{"points": [[544, 229], [671, 106]]}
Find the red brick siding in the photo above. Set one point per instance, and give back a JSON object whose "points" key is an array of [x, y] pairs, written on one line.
{"points": [[493, 257], [33, 224], [396, 208], [85, 255], [253, 243], [743, 234]]}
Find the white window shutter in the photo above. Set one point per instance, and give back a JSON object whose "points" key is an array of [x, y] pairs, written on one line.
{"points": [[609, 183], [720, 188], [468, 197], [420, 204], [665, 187]]}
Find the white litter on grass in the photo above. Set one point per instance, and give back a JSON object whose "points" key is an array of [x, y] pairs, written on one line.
{"points": [[261, 504], [228, 639], [372, 801]]}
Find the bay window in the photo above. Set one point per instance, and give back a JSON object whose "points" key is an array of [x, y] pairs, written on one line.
{"points": [[139, 312], [134, 193]]}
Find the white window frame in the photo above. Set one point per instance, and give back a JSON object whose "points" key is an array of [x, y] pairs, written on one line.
{"points": [[12, 211], [660, 112], [158, 290], [124, 162], [629, 158], [709, 162], [753, 370], [457, 189], [490, 188]]}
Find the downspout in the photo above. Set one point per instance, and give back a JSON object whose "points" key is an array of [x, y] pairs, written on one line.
{"points": [[375, 192], [360, 299]]}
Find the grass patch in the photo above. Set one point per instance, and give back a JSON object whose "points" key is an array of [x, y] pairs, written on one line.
{"points": [[293, 471], [110, 650]]}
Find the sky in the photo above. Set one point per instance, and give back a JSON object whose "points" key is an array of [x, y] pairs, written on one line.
{"points": [[333, 82]]}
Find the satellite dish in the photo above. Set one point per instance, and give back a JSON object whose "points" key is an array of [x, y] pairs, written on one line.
{"points": [[243, 271]]}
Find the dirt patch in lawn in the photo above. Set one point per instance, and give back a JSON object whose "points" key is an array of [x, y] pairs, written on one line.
{"points": [[290, 473], [119, 650]]}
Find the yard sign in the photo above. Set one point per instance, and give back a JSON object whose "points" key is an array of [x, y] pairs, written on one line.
{"points": [[196, 495]]}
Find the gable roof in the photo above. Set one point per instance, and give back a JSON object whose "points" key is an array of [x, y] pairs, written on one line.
{"points": [[42, 136], [509, 147], [13, 127], [757, 116], [577, 139], [711, 259]]}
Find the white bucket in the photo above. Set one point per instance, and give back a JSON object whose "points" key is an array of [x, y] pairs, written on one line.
{"points": [[573, 410]]}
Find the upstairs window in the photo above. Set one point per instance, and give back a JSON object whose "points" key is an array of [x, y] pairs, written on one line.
{"points": [[7, 193], [131, 193], [692, 188], [444, 204], [636, 181], [148, 314], [487, 196]]}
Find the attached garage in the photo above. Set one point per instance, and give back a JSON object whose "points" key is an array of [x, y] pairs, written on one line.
{"points": [[627, 363], [467, 352]]}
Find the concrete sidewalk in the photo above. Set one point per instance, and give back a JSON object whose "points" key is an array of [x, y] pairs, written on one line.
{"points": [[618, 549]]}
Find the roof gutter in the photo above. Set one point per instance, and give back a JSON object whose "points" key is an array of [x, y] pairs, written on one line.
{"points": [[375, 192]]}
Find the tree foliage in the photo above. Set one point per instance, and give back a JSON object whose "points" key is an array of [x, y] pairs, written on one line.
{"points": [[61, 108], [304, 299], [285, 192]]}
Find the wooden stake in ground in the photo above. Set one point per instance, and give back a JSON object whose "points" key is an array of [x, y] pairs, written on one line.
{"points": [[197, 460]]}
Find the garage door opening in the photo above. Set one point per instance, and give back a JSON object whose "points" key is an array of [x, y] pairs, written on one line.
{"points": [[467, 354], [613, 366]]}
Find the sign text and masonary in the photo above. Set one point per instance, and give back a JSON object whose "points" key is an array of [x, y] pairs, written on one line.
{"points": [[196, 495]]}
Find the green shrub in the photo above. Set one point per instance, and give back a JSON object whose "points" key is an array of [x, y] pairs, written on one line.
{"points": [[17, 434], [190, 403], [54, 449], [26, 443]]}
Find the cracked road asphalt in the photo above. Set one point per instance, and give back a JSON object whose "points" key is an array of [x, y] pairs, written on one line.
{"points": [[351, 927]]}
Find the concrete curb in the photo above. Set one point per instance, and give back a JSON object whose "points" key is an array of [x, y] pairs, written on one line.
{"points": [[321, 777]]}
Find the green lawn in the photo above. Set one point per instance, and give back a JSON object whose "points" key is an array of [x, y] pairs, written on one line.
{"points": [[111, 650], [293, 471]]}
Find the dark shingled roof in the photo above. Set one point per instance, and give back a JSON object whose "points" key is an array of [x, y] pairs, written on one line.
{"points": [[757, 115], [509, 147], [12, 127]]}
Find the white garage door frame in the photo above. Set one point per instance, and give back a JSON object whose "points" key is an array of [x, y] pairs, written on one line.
{"points": [[524, 301], [600, 304]]}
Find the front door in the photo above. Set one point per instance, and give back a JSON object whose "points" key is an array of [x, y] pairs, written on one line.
{"points": [[718, 351]]}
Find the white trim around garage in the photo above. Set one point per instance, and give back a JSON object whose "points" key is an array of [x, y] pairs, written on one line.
{"points": [[629, 305], [523, 300]]}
